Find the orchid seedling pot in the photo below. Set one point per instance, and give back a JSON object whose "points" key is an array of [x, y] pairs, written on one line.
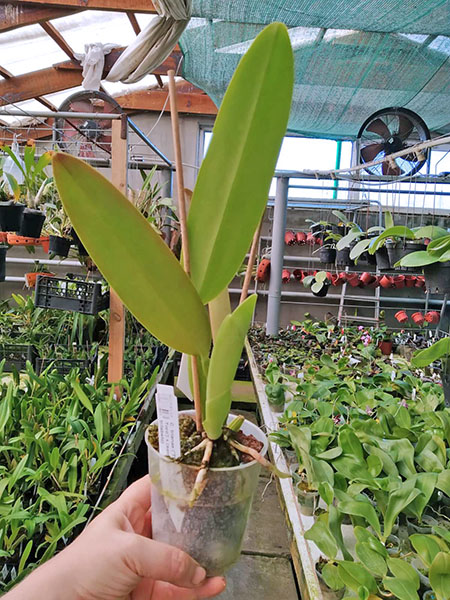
{"points": [[386, 282], [300, 237], [263, 272], [212, 530], [418, 318], [290, 238], [285, 276], [432, 317], [401, 316], [367, 278], [386, 347]]}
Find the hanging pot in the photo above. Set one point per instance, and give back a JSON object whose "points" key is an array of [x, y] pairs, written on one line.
{"points": [[30, 278], [59, 246], [327, 255], [213, 529], [3, 250], [300, 238], [11, 215], [382, 259], [437, 278], [315, 229], [386, 347], [433, 317], [420, 281], [353, 279], [398, 281], [285, 276], [263, 271], [367, 278], [418, 318], [298, 274], [410, 281], [401, 316], [290, 238], [323, 291], [397, 250], [386, 282], [343, 258], [375, 283], [32, 222], [76, 240], [335, 279], [342, 277]]}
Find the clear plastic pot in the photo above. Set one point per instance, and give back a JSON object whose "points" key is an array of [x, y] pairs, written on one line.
{"points": [[213, 529]]}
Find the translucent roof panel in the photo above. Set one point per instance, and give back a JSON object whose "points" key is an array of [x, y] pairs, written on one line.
{"points": [[28, 49]]}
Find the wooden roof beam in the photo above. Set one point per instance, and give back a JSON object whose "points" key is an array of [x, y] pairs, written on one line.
{"points": [[63, 76], [193, 102], [7, 75], [134, 22], [58, 39], [19, 14], [144, 6]]}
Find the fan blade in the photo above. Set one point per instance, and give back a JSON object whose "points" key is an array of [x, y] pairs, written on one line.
{"points": [[369, 152], [412, 157], [388, 169], [379, 128], [405, 126]]}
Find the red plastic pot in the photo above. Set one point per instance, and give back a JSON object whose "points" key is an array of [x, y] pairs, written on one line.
{"points": [[418, 318], [290, 238], [353, 279], [385, 347], [342, 276], [298, 274], [420, 281], [263, 271], [285, 276], [433, 317], [335, 279], [399, 281], [375, 283], [366, 278], [300, 237], [386, 281], [401, 316], [410, 281], [310, 239]]}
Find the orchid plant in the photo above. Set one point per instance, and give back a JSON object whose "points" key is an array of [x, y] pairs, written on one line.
{"points": [[227, 204]]}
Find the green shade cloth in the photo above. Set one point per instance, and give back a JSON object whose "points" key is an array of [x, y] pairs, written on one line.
{"points": [[352, 57]]}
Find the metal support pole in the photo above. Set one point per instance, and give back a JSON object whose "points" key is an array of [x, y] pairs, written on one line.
{"points": [[277, 255]]}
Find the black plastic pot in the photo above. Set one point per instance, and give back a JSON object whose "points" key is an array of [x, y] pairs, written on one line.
{"points": [[59, 246], [397, 251], [32, 222], [327, 255], [77, 242], [437, 278], [3, 250], [343, 258], [382, 259], [315, 229], [11, 215], [323, 292]]}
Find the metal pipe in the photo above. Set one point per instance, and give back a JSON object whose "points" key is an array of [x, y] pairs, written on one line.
{"points": [[336, 166], [368, 178], [145, 139], [14, 112], [334, 189], [14, 279], [31, 261], [277, 256]]}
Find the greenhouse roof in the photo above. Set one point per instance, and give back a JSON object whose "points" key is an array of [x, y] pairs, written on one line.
{"points": [[351, 57]]}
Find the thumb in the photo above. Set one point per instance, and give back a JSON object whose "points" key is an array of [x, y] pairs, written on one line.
{"points": [[155, 560]]}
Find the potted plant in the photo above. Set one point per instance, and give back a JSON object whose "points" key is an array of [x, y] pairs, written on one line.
{"points": [[58, 227], [440, 350], [39, 269], [204, 510], [32, 190], [318, 283]]}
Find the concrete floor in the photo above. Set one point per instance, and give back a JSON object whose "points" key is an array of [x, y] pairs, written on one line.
{"points": [[264, 571]]}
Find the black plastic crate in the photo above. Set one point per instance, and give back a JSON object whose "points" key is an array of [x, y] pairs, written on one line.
{"points": [[65, 365], [70, 294], [16, 356]]}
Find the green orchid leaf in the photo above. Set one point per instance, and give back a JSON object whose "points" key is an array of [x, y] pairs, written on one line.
{"points": [[426, 547], [359, 248], [334, 524], [326, 492], [233, 183], [443, 482], [421, 258], [321, 472], [442, 532], [398, 500], [425, 483], [440, 245], [438, 350], [223, 364], [350, 237], [321, 535], [403, 590], [403, 570], [439, 575], [355, 575], [351, 445], [308, 281], [445, 256], [330, 574], [360, 508], [388, 220], [371, 559], [132, 257], [430, 231], [316, 287], [364, 536], [398, 231]]}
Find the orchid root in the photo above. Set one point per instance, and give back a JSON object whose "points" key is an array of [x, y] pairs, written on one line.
{"points": [[259, 458], [200, 481]]}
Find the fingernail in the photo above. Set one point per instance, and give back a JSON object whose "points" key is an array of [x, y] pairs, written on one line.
{"points": [[199, 575]]}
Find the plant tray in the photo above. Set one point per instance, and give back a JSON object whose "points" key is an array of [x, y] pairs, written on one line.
{"points": [[19, 240], [70, 294], [16, 356], [64, 365]]}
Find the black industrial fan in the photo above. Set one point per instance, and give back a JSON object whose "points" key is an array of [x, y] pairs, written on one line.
{"points": [[388, 131]]}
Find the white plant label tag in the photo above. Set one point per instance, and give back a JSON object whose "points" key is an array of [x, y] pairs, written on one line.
{"points": [[168, 426]]}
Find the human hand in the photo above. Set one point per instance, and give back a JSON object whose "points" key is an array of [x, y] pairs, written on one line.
{"points": [[114, 559]]}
